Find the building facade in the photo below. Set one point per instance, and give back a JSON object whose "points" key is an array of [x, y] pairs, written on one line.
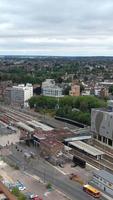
{"points": [[102, 125], [51, 147], [49, 88], [18, 95], [75, 90], [7, 95]]}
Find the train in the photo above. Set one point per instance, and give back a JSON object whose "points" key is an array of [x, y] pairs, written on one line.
{"points": [[69, 121], [78, 161]]}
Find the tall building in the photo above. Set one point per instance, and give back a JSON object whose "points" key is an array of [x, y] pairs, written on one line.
{"points": [[18, 95], [102, 124], [7, 95], [75, 90], [49, 88]]}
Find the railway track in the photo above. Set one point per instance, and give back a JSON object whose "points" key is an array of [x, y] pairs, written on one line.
{"points": [[101, 164]]}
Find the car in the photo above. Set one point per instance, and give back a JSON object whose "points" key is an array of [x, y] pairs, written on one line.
{"points": [[20, 186], [37, 198], [32, 196]]}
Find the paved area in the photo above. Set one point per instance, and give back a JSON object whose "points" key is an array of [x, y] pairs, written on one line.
{"points": [[85, 174], [32, 183]]}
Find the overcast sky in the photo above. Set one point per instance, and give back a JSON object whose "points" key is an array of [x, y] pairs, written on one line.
{"points": [[56, 27]]}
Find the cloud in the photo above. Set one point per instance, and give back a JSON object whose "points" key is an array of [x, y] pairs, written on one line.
{"points": [[62, 27]]}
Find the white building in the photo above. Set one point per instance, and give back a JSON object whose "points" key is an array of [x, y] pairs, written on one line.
{"points": [[50, 89], [19, 95]]}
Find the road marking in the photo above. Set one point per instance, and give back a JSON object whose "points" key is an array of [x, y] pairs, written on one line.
{"points": [[60, 170], [34, 176], [92, 166]]}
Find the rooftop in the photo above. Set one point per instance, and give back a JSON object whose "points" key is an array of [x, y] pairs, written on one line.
{"points": [[39, 125], [51, 143], [86, 148], [24, 126], [105, 110], [105, 175]]}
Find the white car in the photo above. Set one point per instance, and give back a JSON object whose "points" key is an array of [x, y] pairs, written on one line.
{"points": [[20, 186], [33, 196]]}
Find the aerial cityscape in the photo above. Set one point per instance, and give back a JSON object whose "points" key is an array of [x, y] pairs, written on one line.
{"points": [[56, 100]]}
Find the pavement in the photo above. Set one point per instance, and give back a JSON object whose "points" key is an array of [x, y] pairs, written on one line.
{"points": [[47, 173]]}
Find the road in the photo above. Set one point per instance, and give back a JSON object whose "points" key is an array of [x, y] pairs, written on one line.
{"points": [[48, 173]]}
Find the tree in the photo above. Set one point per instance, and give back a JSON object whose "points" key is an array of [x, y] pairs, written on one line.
{"points": [[81, 87], [18, 194], [66, 90], [111, 89]]}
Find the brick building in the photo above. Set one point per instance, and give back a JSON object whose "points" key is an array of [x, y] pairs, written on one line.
{"points": [[51, 147]]}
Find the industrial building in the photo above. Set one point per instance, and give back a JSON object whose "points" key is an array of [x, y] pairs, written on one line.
{"points": [[18, 95], [102, 124], [104, 180]]}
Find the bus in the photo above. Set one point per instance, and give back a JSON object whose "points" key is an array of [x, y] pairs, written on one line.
{"points": [[91, 190]]}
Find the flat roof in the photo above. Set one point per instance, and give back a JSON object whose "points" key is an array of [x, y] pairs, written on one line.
{"points": [[87, 148], [105, 175], [51, 143], [37, 124], [24, 126], [77, 138]]}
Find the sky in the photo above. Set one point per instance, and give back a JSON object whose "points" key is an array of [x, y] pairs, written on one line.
{"points": [[56, 27]]}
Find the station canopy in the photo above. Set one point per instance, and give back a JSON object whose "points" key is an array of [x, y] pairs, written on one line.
{"points": [[86, 148]]}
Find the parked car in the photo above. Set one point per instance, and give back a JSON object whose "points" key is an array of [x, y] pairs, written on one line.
{"points": [[20, 186], [32, 196]]}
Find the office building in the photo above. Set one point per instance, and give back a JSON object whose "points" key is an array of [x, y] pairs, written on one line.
{"points": [[49, 88], [102, 124], [19, 95]]}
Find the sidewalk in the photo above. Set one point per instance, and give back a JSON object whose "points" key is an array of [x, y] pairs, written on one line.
{"points": [[103, 194], [106, 196]]}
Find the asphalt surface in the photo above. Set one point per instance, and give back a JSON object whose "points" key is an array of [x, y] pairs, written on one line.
{"points": [[48, 173]]}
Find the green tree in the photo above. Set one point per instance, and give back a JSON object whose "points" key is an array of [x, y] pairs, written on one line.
{"points": [[18, 194], [111, 89]]}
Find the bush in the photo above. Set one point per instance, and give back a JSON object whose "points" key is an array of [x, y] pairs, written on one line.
{"points": [[18, 194], [49, 186]]}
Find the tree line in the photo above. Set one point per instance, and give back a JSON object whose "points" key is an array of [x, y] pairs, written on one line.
{"points": [[75, 108]]}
